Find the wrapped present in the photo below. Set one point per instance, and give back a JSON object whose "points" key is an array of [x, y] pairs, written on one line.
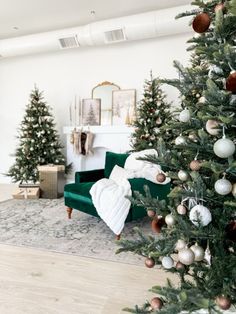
{"points": [[51, 167], [26, 193]]}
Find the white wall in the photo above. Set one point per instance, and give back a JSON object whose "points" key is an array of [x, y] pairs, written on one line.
{"points": [[63, 74]]}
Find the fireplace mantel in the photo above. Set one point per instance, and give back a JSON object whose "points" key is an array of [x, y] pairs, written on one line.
{"points": [[106, 138]]}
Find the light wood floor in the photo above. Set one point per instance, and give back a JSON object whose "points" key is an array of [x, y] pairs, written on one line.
{"points": [[40, 282]]}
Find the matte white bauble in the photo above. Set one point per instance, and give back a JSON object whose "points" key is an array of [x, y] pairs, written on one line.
{"points": [[202, 100], [167, 262], [223, 186], [184, 116], [180, 245], [180, 140], [198, 252], [224, 148], [211, 127], [200, 213], [186, 256], [183, 175], [170, 220]]}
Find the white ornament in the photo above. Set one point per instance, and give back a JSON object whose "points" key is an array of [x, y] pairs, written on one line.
{"points": [[200, 213], [224, 148], [183, 175], [150, 144], [202, 100], [167, 262], [211, 127], [198, 95], [183, 97], [184, 116], [223, 186], [180, 245], [186, 256], [180, 140], [170, 220], [31, 148], [198, 252]]}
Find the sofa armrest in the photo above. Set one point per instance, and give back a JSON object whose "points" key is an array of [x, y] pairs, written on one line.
{"points": [[157, 190], [89, 176]]}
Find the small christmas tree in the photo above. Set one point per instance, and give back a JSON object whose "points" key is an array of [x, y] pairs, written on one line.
{"points": [[38, 141], [152, 113], [198, 240]]}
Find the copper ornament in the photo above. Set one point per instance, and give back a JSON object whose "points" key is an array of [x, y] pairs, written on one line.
{"points": [[156, 303], [149, 262], [160, 177], [231, 82], [201, 23]]}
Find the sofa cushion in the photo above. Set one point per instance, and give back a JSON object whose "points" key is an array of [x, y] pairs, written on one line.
{"points": [[113, 159], [79, 191]]}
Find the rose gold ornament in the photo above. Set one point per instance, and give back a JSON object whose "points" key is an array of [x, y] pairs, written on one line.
{"points": [[223, 302], [149, 262], [211, 127], [195, 165], [179, 266], [181, 209], [201, 23], [156, 303], [151, 213], [160, 177]]}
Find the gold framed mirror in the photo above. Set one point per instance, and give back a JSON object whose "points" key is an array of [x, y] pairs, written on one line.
{"points": [[104, 92]]}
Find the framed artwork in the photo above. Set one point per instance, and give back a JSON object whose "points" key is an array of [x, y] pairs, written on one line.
{"points": [[123, 106], [91, 111]]}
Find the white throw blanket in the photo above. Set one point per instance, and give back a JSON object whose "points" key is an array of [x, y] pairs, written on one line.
{"points": [[108, 195], [110, 202]]}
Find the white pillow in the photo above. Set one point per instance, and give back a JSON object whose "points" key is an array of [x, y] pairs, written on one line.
{"points": [[134, 164], [119, 175]]}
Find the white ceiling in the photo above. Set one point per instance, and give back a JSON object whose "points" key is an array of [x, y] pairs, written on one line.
{"points": [[33, 16]]}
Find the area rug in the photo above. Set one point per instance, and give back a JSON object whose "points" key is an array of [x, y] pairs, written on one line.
{"points": [[43, 224]]}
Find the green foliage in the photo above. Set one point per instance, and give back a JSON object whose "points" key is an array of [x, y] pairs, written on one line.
{"points": [[38, 141], [213, 58], [152, 113]]}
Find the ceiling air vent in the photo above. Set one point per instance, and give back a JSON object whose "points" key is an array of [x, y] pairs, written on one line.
{"points": [[115, 35], [69, 42]]}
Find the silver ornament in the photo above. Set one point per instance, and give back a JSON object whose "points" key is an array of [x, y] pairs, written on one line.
{"points": [[167, 262], [223, 186], [200, 213], [186, 256], [170, 220], [183, 175], [198, 252], [180, 140], [180, 245], [184, 116], [224, 148]]}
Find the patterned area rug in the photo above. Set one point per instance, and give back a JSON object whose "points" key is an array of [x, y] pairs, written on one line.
{"points": [[43, 224]]}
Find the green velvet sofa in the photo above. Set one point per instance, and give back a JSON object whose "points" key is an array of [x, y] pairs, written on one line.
{"points": [[77, 194]]}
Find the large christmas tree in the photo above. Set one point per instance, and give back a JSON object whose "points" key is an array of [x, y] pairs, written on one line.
{"points": [[38, 141], [152, 113], [198, 241]]}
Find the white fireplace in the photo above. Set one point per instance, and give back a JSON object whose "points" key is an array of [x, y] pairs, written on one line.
{"points": [[106, 138]]}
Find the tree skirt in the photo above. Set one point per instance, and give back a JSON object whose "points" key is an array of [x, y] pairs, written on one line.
{"points": [[43, 224]]}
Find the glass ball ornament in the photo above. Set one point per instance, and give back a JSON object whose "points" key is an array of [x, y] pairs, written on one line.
{"points": [[181, 209], [223, 186], [224, 148], [156, 303], [149, 262], [183, 175], [179, 266], [201, 23], [211, 127], [184, 116], [231, 82], [160, 177], [170, 220], [167, 262], [202, 100], [180, 140], [223, 302], [234, 190], [180, 245], [195, 165], [200, 214], [198, 251], [186, 256]]}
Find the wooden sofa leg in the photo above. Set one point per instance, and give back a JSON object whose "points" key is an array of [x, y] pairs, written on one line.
{"points": [[118, 237], [69, 211]]}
